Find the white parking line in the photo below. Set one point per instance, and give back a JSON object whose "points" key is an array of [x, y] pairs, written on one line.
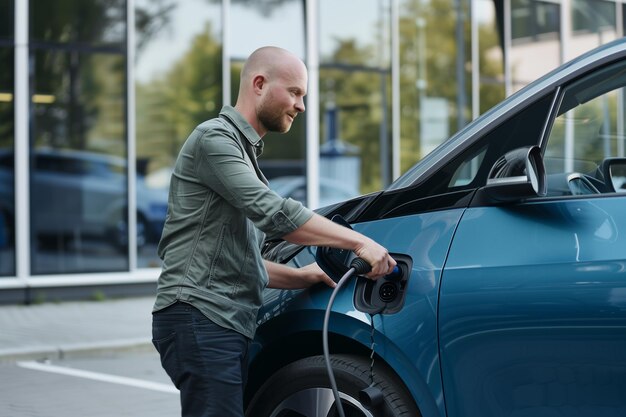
{"points": [[96, 376]]}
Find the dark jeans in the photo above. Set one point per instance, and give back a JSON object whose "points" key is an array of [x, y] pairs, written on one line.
{"points": [[206, 362]]}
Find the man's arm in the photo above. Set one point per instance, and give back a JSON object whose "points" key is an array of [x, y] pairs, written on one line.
{"points": [[319, 231], [285, 277]]}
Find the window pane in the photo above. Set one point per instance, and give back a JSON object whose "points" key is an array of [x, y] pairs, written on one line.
{"points": [[587, 134], [7, 17], [355, 93], [434, 50], [533, 20], [78, 189], [593, 16], [90, 22], [277, 23], [490, 59], [7, 180], [178, 85], [535, 31]]}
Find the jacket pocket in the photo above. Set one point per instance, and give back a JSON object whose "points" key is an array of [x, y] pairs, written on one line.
{"points": [[228, 261]]}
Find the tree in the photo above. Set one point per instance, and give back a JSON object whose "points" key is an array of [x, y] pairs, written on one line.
{"points": [[169, 107]]}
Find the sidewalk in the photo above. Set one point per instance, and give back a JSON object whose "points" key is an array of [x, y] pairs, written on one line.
{"points": [[55, 330]]}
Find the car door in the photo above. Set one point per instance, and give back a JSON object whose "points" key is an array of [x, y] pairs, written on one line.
{"points": [[532, 312]]}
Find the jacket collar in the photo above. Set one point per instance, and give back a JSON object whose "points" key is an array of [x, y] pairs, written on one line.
{"points": [[242, 125]]}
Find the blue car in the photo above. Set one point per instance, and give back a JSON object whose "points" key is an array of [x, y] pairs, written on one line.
{"points": [[510, 299]]}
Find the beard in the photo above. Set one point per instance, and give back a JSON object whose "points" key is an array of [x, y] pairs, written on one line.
{"points": [[273, 119]]}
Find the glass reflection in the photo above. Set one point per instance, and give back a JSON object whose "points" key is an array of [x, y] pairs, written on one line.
{"points": [[7, 137], [78, 184], [7, 14], [92, 22], [593, 16], [277, 23], [535, 30], [490, 60], [178, 84], [433, 74], [355, 93]]}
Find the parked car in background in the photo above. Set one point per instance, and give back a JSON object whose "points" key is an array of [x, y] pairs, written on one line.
{"points": [[330, 191], [83, 194], [511, 297]]}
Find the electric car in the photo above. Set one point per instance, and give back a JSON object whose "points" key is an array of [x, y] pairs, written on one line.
{"points": [[510, 297]]}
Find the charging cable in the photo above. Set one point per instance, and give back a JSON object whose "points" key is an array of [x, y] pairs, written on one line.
{"points": [[358, 266]]}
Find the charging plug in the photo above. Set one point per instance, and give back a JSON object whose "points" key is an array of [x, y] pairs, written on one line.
{"points": [[360, 266]]}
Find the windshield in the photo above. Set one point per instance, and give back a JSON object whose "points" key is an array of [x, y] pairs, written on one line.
{"points": [[500, 111]]}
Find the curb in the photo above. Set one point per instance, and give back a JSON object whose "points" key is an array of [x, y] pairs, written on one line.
{"points": [[51, 352]]}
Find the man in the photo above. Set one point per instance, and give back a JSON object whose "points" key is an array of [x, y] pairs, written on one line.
{"points": [[213, 275]]}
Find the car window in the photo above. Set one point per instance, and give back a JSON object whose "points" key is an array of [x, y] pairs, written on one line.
{"points": [[587, 133], [470, 169], [466, 172], [453, 181]]}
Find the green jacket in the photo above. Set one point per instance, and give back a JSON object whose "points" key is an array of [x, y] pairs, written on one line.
{"points": [[219, 208]]}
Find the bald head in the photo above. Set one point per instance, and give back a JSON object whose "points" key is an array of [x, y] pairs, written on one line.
{"points": [[272, 88], [271, 62]]}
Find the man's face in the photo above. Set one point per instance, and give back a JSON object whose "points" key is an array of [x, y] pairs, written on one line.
{"points": [[283, 100]]}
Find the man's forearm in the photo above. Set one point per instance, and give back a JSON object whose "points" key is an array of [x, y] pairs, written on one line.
{"points": [[280, 276], [319, 231]]}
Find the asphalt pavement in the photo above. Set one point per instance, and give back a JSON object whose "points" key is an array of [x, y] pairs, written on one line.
{"points": [[58, 330]]}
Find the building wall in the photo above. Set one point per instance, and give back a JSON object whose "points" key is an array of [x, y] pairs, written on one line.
{"points": [[97, 97]]}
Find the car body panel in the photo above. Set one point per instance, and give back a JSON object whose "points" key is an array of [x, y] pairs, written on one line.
{"points": [[533, 310], [425, 238], [511, 309]]}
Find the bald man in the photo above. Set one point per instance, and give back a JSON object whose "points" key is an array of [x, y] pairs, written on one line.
{"points": [[219, 212]]}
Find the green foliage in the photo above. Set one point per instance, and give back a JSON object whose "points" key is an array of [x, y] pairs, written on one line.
{"points": [[98, 295], [428, 52], [169, 107]]}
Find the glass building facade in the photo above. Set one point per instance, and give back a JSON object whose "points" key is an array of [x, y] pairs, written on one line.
{"points": [[97, 96]]}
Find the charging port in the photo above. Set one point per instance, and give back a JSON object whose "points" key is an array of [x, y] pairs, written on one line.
{"points": [[385, 295], [388, 292]]}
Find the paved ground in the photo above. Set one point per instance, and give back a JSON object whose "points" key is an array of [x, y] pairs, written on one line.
{"points": [[91, 358], [55, 330], [113, 384]]}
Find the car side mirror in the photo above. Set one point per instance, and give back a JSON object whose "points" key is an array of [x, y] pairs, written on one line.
{"points": [[614, 173], [517, 175]]}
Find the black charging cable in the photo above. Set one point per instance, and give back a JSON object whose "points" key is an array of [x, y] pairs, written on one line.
{"points": [[358, 266]]}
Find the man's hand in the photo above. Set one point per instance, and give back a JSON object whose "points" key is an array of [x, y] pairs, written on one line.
{"points": [[313, 274], [378, 257], [320, 231], [285, 277]]}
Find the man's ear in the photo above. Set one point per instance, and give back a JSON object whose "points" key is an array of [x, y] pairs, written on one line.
{"points": [[258, 83]]}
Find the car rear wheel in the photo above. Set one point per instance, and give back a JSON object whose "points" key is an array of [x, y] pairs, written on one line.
{"points": [[301, 389]]}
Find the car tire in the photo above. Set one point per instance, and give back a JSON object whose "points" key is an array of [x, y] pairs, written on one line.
{"points": [[302, 389]]}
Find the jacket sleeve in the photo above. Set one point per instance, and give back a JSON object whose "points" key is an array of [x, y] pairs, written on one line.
{"points": [[221, 166]]}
